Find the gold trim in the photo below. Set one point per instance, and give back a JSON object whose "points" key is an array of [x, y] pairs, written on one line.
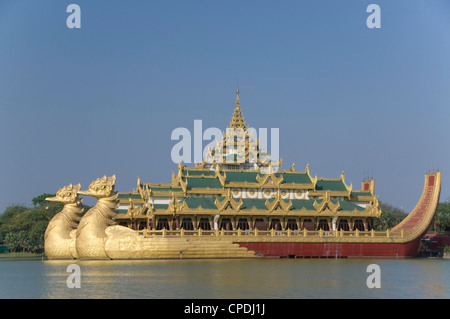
{"points": [[278, 203]]}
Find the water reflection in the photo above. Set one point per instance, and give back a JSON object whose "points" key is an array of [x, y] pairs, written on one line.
{"points": [[237, 279]]}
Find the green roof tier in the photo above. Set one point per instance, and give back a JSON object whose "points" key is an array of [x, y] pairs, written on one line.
{"points": [[202, 182], [331, 185]]}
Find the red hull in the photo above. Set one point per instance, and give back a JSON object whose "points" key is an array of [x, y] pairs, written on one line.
{"points": [[418, 221], [339, 250]]}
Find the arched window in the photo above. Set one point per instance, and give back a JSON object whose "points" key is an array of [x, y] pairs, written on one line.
{"points": [[323, 224], [275, 224], [187, 224], [358, 224], [243, 224], [162, 223], [142, 225], [204, 224], [343, 225], [292, 224], [225, 224]]}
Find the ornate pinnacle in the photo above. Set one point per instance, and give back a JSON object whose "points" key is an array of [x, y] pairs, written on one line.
{"points": [[237, 121]]}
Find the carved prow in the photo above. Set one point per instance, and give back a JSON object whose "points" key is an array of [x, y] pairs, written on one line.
{"points": [[416, 224]]}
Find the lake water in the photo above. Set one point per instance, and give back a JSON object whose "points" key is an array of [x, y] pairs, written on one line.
{"points": [[226, 278]]}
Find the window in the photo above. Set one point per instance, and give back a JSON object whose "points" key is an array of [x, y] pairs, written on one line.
{"points": [[292, 224], [204, 224], [162, 223], [225, 224], [142, 225], [359, 224], [323, 224], [275, 224], [187, 224], [343, 225], [243, 224]]}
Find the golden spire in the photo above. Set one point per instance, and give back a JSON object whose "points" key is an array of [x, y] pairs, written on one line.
{"points": [[237, 121]]}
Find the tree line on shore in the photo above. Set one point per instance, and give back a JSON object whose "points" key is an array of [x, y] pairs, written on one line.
{"points": [[22, 228]]}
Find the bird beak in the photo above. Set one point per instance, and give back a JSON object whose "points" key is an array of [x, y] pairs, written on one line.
{"points": [[53, 199], [86, 193]]}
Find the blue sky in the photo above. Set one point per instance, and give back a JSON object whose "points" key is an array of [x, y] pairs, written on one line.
{"points": [[76, 104]]}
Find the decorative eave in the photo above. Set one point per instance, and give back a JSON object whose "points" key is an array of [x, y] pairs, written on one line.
{"points": [[344, 193], [266, 178], [313, 179], [138, 184], [139, 188], [222, 178], [326, 205], [175, 206], [134, 212], [201, 165], [349, 187], [278, 203], [373, 209], [292, 169], [183, 185], [229, 202], [177, 179]]}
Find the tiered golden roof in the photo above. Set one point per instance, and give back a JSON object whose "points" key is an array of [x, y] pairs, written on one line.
{"points": [[247, 187], [237, 121], [238, 148]]}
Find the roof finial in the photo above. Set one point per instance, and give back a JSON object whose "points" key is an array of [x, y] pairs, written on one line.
{"points": [[237, 121]]}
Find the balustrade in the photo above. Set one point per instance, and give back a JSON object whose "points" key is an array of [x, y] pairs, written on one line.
{"points": [[273, 233]]}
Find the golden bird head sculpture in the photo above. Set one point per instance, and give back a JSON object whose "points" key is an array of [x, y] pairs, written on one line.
{"points": [[101, 187], [67, 195]]}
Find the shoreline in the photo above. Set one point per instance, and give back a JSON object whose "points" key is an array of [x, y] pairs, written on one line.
{"points": [[22, 255]]}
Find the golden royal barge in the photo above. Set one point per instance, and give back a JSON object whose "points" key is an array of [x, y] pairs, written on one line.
{"points": [[235, 205]]}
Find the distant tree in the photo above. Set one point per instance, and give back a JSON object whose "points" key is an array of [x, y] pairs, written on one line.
{"points": [[23, 228], [40, 200], [8, 220], [12, 240], [390, 216], [397, 213], [441, 220], [385, 221], [22, 238]]}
